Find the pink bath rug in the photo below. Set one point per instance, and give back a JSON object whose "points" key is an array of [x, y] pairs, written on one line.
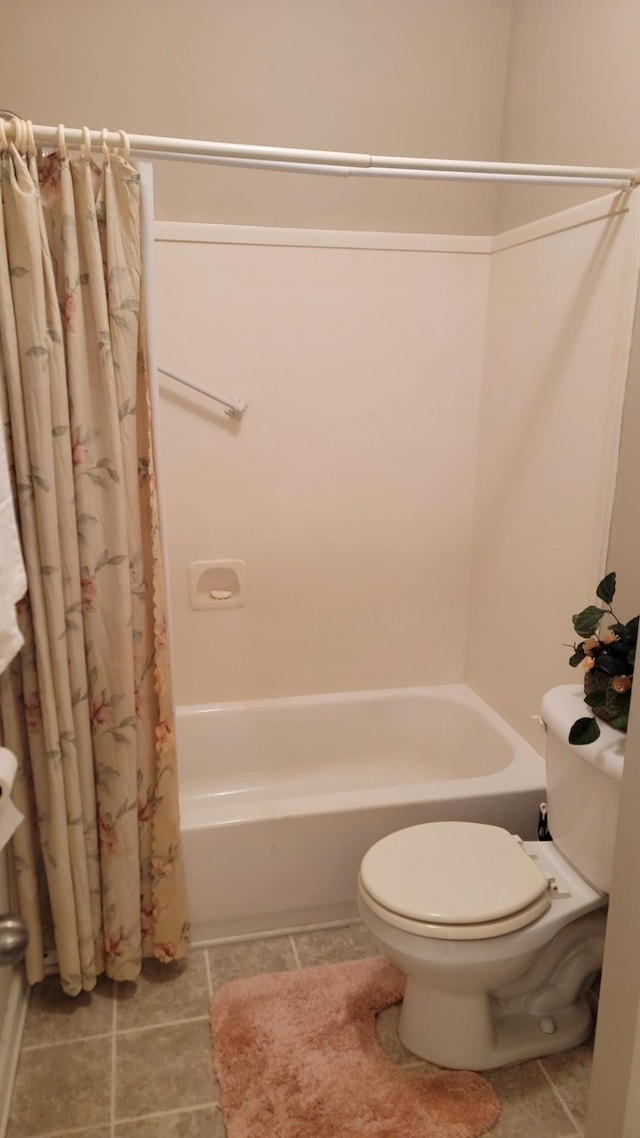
{"points": [[297, 1056]]}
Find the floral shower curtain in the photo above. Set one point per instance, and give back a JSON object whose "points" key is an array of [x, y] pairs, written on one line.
{"points": [[85, 705]]}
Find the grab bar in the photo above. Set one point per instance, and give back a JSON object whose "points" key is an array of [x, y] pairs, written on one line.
{"points": [[235, 407]]}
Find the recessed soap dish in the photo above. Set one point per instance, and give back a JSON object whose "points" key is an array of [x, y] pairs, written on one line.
{"points": [[217, 584]]}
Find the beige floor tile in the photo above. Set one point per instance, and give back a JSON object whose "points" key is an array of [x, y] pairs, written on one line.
{"points": [[570, 1072], [204, 1123], [387, 1032], [164, 992], [53, 1017], [250, 958], [65, 1086], [330, 946], [164, 1068], [529, 1107]]}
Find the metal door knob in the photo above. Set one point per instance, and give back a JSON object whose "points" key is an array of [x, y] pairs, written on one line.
{"points": [[14, 938]]}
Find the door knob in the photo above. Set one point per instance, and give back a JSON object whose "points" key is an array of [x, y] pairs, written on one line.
{"points": [[14, 938]]}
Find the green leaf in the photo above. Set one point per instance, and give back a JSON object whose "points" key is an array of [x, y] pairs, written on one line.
{"points": [[58, 431], [18, 271], [47, 570], [118, 559], [41, 482], [113, 474], [83, 278], [578, 656], [618, 702], [596, 698], [102, 561], [631, 630], [584, 731], [119, 321], [610, 665], [587, 621], [37, 350], [607, 588], [54, 335], [620, 722], [96, 479]]}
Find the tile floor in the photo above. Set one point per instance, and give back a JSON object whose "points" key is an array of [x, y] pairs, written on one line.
{"points": [[134, 1060]]}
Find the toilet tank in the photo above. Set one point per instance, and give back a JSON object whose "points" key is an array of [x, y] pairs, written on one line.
{"points": [[583, 787]]}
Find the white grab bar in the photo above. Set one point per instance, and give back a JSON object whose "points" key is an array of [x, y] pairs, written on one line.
{"points": [[234, 407]]}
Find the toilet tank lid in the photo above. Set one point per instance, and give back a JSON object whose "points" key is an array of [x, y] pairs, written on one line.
{"points": [[561, 706]]}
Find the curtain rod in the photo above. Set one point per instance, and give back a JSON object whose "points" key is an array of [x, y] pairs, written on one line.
{"points": [[340, 163]]}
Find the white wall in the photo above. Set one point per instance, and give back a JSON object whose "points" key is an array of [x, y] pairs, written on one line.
{"points": [[348, 487], [558, 334], [422, 77], [624, 542], [572, 96]]}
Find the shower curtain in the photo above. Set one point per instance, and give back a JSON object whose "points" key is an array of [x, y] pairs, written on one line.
{"points": [[86, 704]]}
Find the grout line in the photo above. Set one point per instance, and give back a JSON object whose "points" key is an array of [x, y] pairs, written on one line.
{"points": [[207, 967], [161, 1025], [62, 1042], [295, 952], [67, 1131], [556, 1091], [114, 1028], [166, 1113]]}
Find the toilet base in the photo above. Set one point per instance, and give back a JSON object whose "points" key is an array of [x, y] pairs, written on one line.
{"points": [[469, 1031]]}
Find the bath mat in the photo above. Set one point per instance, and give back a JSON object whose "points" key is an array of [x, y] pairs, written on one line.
{"points": [[297, 1056]]}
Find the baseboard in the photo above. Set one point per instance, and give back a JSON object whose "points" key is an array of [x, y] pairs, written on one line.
{"points": [[10, 1041]]}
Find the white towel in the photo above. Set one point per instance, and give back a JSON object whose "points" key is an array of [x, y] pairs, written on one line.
{"points": [[13, 580]]}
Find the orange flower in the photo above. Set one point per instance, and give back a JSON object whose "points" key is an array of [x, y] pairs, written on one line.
{"points": [[168, 952], [69, 308], [589, 663], [161, 867], [621, 684], [89, 594], [33, 713], [108, 833], [591, 643], [610, 638]]}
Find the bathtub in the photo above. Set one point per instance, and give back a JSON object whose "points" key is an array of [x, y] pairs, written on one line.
{"points": [[281, 798]]}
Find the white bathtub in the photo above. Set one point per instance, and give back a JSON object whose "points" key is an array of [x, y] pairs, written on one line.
{"points": [[281, 798]]}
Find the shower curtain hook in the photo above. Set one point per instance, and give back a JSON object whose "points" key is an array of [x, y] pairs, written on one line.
{"points": [[62, 142], [15, 127], [85, 148], [126, 145], [32, 149], [106, 157]]}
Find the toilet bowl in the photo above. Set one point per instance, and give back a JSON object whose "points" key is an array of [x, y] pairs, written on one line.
{"points": [[500, 938]]}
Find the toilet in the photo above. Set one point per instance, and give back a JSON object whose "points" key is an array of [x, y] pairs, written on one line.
{"points": [[501, 938]]}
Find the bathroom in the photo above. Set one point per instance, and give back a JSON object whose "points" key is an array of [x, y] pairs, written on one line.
{"points": [[416, 498]]}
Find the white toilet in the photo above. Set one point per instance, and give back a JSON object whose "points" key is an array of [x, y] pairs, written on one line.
{"points": [[500, 938]]}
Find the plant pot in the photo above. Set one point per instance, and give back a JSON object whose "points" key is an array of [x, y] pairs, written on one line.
{"points": [[597, 681]]}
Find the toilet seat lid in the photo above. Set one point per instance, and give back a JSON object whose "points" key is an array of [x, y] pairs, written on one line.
{"points": [[452, 873]]}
